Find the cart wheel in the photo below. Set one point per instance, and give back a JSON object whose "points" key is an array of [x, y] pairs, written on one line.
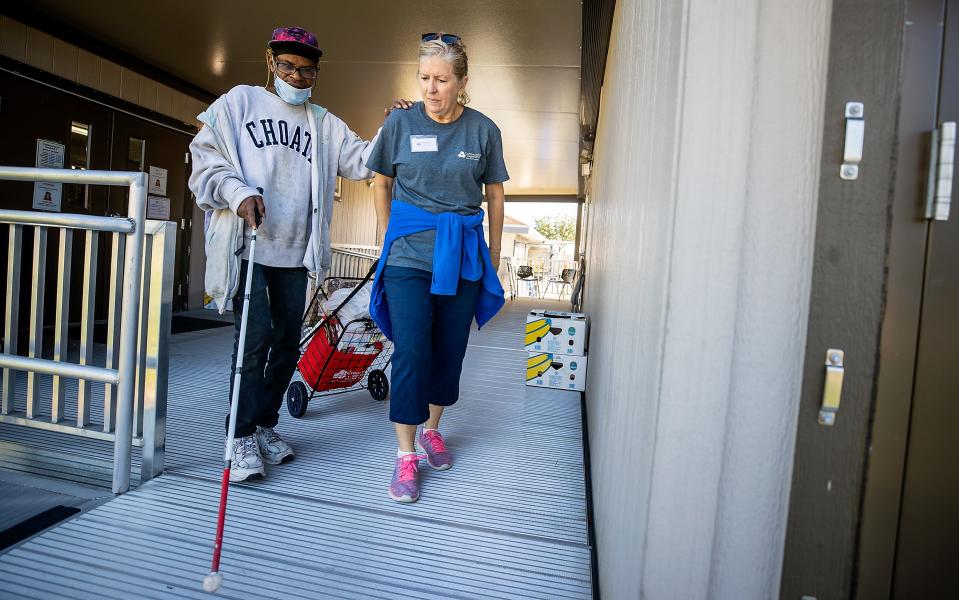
{"points": [[378, 385], [296, 399]]}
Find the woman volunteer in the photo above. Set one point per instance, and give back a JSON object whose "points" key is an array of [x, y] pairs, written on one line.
{"points": [[436, 272]]}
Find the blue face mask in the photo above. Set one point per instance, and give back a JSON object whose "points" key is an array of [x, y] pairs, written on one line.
{"points": [[290, 94]]}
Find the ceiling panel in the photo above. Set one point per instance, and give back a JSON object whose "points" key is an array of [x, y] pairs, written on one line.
{"points": [[524, 60]]}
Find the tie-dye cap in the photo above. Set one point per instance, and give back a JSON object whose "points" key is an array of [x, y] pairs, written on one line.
{"points": [[295, 40]]}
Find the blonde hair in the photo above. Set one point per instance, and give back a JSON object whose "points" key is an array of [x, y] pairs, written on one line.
{"points": [[455, 54]]}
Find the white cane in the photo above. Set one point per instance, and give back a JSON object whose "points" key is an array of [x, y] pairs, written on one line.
{"points": [[214, 580]]}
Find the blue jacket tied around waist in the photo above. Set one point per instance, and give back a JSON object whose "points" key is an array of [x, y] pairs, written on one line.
{"points": [[460, 252]]}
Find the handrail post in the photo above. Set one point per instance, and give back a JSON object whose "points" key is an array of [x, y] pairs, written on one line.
{"points": [[159, 300], [128, 334], [37, 297], [11, 316]]}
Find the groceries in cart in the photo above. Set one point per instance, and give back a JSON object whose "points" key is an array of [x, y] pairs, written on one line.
{"points": [[344, 350], [355, 301], [338, 357]]}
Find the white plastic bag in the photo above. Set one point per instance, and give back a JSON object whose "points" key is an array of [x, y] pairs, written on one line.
{"points": [[357, 308]]}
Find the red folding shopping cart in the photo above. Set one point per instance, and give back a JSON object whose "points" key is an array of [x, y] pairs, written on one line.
{"points": [[339, 355]]}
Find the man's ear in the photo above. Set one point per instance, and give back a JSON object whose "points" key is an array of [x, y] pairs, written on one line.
{"points": [[269, 67]]}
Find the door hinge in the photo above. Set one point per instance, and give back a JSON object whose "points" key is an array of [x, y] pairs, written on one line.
{"points": [[179, 289], [186, 158], [941, 166], [188, 252]]}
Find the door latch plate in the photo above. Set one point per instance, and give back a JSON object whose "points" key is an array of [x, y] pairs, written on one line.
{"points": [[855, 135], [832, 388]]}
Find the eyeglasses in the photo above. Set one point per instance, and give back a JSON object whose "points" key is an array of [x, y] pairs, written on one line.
{"points": [[289, 69], [448, 38]]}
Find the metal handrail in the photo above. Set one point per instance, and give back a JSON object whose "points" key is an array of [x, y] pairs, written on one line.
{"points": [[132, 271], [362, 249], [63, 369], [336, 250], [95, 177], [67, 221]]}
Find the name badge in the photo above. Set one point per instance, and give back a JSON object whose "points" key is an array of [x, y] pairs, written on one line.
{"points": [[423, 143]]}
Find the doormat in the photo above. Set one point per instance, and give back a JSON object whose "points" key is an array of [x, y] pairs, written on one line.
{"points": [[35, 524], [179, 324]]}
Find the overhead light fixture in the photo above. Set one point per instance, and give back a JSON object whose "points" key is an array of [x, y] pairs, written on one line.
{"points": [[218, 60]]}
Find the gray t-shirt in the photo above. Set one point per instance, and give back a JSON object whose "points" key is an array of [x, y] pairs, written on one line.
{"points": [[439, 167]]}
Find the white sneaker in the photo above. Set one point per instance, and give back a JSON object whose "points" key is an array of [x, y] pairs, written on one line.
{"points": [[272, 447], [246, 462]]}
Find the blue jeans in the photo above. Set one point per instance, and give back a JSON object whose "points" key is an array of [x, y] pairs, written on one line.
{"points": [[430, 334], [273, 327]]}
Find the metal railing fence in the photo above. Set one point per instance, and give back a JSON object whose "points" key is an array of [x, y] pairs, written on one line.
{"points": [[352, 261], [355, 261], [139, 305]]}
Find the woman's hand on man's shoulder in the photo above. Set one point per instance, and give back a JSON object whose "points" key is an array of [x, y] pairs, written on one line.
{"points": [[400, 103]]}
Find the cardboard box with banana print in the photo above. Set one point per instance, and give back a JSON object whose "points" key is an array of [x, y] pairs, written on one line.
{"points": [[556, 332], [556, 371]]}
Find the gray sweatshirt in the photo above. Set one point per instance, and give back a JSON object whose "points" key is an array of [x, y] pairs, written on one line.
{"points": [[251, 138]]}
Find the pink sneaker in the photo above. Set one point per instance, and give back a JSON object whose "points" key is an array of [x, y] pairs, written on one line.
{"points": [[431, 442], [405, 486]]}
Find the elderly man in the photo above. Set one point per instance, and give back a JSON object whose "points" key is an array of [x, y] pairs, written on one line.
{"points": [[271, 139]]}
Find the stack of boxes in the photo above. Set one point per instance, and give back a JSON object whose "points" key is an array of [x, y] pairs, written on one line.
{"points": [[556, 343]]}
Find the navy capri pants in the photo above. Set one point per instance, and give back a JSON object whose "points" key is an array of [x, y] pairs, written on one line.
{"points": [[430, 334]]}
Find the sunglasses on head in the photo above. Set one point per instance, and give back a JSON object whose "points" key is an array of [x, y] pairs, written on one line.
{"points": [[447, 38]]}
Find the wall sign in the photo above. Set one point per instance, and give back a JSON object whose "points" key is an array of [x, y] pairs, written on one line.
{"points": [[158, 208], [48, 196], [158, 181]]}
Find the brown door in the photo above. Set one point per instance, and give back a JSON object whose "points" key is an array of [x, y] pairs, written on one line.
{"points": [[874, 503], [139, 145], [31, 111], [928, 541], [847, 301]]}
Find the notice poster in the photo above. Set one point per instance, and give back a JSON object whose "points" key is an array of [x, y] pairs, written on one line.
{"points": [[158, 208], [47, 196], [158, 181]]}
